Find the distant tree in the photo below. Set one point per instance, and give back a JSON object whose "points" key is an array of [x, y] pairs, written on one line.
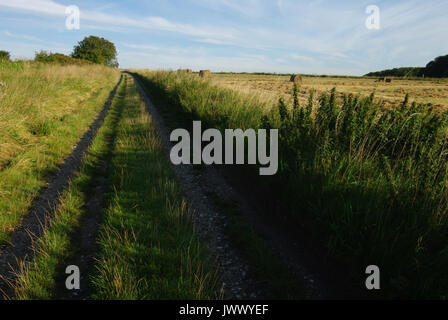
{"points": [[438, 68], [398, 72], [4, 56], [97, 50]]}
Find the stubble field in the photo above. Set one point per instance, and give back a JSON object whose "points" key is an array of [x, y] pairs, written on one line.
{"points": [[271, 87]]}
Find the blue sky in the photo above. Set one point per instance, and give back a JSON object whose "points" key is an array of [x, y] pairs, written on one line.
{"points": [[291, 36]]}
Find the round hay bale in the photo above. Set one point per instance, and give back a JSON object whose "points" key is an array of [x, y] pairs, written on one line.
{"points": [[296, 78], [204, 73]]}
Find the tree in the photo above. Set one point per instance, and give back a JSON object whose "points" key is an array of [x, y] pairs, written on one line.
{"points": [[4, 56], [97, 50], [398, 72], [437, 68]]}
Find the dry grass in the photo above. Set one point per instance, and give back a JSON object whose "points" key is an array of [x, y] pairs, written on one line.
{"points": [[34, 97]]}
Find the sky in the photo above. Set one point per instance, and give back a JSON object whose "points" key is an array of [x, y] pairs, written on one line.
{"points": [[283, 36]]}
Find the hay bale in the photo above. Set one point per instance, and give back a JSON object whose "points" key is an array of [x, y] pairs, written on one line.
{"points": [[204, 73], [388, 80], [296, 78]]}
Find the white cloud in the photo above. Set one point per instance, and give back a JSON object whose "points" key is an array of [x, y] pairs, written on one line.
{"points": [[316, 33], [49, 7], [42, 6]]}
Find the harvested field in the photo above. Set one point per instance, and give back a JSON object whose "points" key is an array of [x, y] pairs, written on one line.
{"points": [[271, 87]]}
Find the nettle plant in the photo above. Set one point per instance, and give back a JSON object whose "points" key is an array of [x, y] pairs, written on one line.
{"points": [[375, 179]]}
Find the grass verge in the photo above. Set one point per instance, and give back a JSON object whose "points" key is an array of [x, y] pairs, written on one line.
{"points": [[54, 250], [44, 110]]}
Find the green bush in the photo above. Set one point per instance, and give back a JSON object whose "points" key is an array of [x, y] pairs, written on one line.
{"points": [[15, 66], [58, 58], [375, 182], [4, 56]]}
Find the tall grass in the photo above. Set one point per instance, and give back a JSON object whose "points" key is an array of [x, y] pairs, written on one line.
{"points": [[372, 183], [44, 110], [10, 65], [217, 107], [57, 248]]}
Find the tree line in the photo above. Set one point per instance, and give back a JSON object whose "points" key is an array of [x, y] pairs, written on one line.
{"points": [[438, 68], [91, 50]]}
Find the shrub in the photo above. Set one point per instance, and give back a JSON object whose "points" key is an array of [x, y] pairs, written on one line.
{"points": [[4, 56], [58, 58], [10, 65]]}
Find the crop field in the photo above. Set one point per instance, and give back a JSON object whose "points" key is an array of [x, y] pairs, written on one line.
{"points": [[271, 87]]}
